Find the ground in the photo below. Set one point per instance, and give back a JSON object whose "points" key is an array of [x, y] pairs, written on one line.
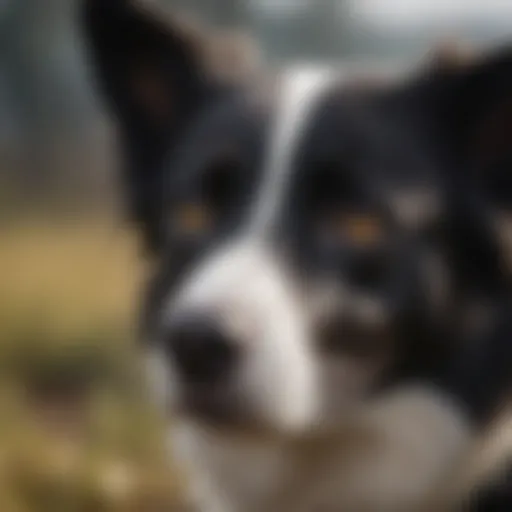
{"points": [[77, 433]]}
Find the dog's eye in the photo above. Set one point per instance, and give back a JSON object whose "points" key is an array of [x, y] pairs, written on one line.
{"points": [[359, 229], [192, 219]]}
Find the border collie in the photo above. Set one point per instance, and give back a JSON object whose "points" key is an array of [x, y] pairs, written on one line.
{"points": [[327, 322]]}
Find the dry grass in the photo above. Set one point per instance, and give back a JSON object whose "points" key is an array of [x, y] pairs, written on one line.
{"points": [[72, 275], [76, 433]]}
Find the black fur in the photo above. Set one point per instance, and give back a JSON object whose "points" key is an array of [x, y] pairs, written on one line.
{"points": [[207, 140], [127, 43]]}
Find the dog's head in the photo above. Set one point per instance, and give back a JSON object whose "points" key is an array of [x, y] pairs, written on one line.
{"points": [[310, 243]]}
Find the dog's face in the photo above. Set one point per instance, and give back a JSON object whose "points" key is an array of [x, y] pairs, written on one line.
{"points": [[294, 274], [302, 257]]}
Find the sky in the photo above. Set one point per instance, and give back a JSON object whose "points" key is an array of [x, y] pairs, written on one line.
{"points": [[414, 12], [400, 13]]}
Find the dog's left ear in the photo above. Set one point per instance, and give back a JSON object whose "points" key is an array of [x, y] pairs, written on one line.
{"points": [[459, 107], [470, 111], [467, 103]]}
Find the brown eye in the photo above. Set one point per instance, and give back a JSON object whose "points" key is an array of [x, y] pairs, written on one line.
{"points": [[361, 229], [192, 219]]}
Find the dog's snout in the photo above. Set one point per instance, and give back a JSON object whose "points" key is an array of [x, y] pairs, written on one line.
{"points": [[201, 349]]}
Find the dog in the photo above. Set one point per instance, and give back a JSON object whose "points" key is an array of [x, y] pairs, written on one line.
{"points": [[327, 323]]}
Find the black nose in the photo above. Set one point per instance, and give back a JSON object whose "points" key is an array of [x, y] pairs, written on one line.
{"points": [[200, 350]]}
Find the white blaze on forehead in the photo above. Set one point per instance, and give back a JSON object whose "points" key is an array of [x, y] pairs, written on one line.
{"points": [[300, 93], [228, 275], [246, 286], [238, 271]]}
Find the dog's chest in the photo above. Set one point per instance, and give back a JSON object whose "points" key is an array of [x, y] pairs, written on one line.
{"points": [[229, 475]]}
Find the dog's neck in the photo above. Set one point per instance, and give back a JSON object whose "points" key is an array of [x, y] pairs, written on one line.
{"points": [[366, 462], [230, 473], [248, 473]]}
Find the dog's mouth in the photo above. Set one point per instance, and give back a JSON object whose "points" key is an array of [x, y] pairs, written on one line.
{"points": [[212, 407], [208, 408]]}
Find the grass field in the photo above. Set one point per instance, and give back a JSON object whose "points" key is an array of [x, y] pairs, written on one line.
{"points": [[77, 434]]}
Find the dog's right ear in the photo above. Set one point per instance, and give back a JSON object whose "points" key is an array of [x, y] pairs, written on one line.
{"points": [[155, 76]]}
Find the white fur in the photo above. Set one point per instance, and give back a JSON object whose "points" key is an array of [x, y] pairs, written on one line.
{"points": [[300, 93], [250, 294], [390, 457], [286, 388]]}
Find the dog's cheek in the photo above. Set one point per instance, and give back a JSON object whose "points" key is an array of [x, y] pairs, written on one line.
{"points": [[345, 381]]}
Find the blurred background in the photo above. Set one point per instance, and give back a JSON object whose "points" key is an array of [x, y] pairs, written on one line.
{"points": [[76, 433]]}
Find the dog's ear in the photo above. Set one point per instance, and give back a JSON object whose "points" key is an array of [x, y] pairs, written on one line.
{"points": [[449, 55], [470, 109], [155, 75], [467, 101], [459, 109]]}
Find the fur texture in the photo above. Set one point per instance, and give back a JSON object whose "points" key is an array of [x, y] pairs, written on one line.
{"points": [[320, 250]]}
